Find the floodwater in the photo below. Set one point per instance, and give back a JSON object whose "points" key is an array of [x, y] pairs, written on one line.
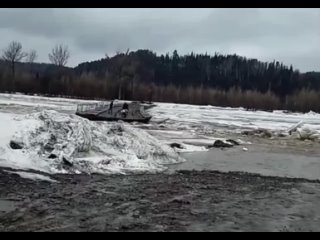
{"points": [[261, 159]]}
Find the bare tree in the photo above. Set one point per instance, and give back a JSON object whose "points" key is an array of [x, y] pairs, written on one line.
{"points": [[32, 56], [13, 54], [60, 55]]}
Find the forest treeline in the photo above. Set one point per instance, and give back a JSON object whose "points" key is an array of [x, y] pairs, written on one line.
{"points": [[221, 80]]}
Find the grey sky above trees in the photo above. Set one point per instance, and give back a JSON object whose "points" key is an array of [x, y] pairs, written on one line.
{"points": [[288, 35]]}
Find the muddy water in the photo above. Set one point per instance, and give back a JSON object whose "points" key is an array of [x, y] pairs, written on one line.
{"points": [[261, 159], [7, 206]]}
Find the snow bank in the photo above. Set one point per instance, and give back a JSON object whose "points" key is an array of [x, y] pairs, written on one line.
{"points": [[53, 142]]}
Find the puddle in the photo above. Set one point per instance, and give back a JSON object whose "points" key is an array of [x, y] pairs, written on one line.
{"points": [[7, 206]]}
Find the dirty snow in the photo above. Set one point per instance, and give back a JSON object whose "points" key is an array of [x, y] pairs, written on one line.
{"points": [[54, 142]]}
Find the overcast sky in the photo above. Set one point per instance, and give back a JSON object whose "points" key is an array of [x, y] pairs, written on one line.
{"points": [[288, 35]]}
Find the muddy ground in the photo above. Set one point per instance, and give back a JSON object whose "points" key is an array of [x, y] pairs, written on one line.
{"points": [[182, 201]]}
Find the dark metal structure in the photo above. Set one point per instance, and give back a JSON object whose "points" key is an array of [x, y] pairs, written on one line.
{"points": [[114, 111]]}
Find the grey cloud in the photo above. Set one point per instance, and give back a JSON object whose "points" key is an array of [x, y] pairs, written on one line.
{"points": [[290, 35]]}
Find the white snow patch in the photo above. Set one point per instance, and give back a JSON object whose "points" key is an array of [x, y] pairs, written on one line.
{"points": [[33, 176], [204, 118], [306, 133], [187, 148]]}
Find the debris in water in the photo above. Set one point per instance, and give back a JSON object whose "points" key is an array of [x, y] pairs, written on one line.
{"points": [[15, 145], [52, 156], [222, 144], [176, 145], [67, 162], [258, 132], [295, 127]]}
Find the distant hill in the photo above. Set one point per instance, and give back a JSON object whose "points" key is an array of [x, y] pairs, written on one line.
{"points": [[217, 71]]}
